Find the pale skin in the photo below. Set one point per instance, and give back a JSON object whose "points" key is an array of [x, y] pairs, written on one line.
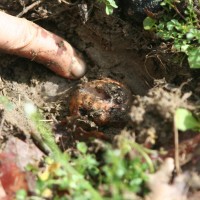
{"points": [[24, 38]]}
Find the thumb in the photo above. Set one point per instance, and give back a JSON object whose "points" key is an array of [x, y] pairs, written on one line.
{"points": [[24, 38]]}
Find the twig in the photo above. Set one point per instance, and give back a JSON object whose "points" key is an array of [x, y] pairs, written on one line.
{"points": [[63, 1], [25, 10], [2, 124], [178, 12], [176, 144]]}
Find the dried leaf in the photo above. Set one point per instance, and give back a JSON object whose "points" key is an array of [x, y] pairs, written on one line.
{"points": [[12, 178]]}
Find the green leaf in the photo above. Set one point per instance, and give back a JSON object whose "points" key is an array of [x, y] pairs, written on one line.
{"points": [[170, 26], [194, 57], [110, 5], [21, 194], [190, 36], [184, 47], [184, 120], [113, 4], [82, 147], [148, 23], [109, 10]]}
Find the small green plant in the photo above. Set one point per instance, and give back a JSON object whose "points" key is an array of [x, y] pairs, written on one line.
{"points": [[58, 172], [110, 5], [182, 29], [117, 171], [116, 175], [123, 175], [184, 120]]}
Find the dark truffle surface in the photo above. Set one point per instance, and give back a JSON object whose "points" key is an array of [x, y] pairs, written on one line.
{"points": [[104, 101]]}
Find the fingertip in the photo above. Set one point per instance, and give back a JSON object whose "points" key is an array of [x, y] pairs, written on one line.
{"points": [[78, 67]]}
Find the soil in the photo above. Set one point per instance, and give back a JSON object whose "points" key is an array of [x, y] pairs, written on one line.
{"points": [[112, 47]]}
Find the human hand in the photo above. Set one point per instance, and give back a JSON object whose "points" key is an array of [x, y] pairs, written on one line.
{"points": [[23, 38]]}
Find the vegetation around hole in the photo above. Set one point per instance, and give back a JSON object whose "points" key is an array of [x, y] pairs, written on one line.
{"points": [[66, 176], [180, 26]]}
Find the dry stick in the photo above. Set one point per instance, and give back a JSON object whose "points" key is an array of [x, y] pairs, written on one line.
{"points": [[2, 124], [63, 1], [25, 10], [177, 11], [176, 156]]}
